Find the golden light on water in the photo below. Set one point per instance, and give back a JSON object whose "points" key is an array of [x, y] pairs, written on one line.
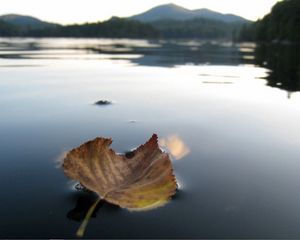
{"points": [[175, 146]]}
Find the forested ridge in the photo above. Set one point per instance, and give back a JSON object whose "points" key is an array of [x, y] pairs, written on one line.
{"points": [[128, 28], [282, 24]]}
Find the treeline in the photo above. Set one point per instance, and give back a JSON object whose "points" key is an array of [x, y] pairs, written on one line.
{"points": [[7, 29], [197, 28], [282, 24], [127, 28], [114, 27]]}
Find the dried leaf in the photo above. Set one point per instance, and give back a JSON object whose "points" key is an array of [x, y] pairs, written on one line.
{"points": [[140, 180]]}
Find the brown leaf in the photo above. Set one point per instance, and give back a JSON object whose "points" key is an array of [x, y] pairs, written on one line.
{"points": [[140, 180]]}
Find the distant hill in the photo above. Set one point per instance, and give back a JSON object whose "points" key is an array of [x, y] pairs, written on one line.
{"points": [[26, 22], [168, 11], [175, 12], [165, 21], [229, 18]]}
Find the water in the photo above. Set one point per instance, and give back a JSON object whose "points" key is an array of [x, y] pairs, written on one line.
{"points": [[228, 114]]}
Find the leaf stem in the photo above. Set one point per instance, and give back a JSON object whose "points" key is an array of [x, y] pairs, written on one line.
{"points": [[81, 229]]}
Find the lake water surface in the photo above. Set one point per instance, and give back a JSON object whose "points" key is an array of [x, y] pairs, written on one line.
{"points": [[229, 114]]}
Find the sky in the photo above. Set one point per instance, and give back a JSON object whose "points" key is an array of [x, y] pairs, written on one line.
{"points": [[80, 11]]}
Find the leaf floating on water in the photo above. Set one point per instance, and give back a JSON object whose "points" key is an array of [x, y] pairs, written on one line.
{"points": [[140, 181]]}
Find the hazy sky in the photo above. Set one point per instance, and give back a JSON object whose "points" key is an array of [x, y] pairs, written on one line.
{"points": [[79, 11]]}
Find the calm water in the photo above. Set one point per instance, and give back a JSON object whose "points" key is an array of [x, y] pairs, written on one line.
{"points": [[228, 114]]}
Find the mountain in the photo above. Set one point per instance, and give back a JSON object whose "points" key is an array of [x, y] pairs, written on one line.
{"points": [[165, 21], [167, 11], [209, 14], [26, 22], [174, 12]]}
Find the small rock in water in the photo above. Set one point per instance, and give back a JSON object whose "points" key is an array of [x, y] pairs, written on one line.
{"points": [[103, 103], [132, 121]]}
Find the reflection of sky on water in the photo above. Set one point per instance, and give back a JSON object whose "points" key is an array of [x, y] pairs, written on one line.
{"points": [[239, 141], [282, 61]]}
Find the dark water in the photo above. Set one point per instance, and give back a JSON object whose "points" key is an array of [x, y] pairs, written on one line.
{"points": [[229, 114]]}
